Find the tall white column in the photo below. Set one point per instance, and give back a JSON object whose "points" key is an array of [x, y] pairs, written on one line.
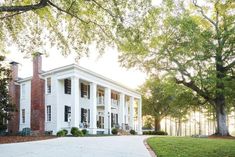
{"points": [[75, 105], [132, 112], [121, 116], [93, 126], [140, 116], [107, 112]]}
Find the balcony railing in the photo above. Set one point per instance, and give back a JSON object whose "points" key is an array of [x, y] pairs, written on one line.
{"points": [[114, 103], [100, 100]]}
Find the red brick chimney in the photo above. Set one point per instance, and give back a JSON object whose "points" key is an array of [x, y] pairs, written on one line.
{"points": [[37, 96], [14, 92]]}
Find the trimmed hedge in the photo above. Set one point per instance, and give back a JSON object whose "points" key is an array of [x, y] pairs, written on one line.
{"points": [[132, 132], [60, 133], [114, 131], [155, 133], [76, 132], [84, 131], [65, 131]]}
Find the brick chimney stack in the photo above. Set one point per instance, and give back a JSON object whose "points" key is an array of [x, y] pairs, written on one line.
{"points": [[37, 96], [14, 92]]}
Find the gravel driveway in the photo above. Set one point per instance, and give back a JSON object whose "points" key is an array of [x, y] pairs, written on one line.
{"points": [[111, 146]]}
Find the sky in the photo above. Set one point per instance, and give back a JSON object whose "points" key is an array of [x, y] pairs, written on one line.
{"points": [[106, 65]]}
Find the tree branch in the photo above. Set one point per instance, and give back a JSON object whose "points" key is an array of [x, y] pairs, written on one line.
{"points": [[41, 4], [232, 64], [203, 14]]}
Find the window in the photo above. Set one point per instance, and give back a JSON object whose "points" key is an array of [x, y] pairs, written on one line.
{"points": [[23, 115], [85, 117], [67, 113], [48, 85], [23, 91], [114, 119], [85, 91], [114, 96], [48, 113], [67, 86]]}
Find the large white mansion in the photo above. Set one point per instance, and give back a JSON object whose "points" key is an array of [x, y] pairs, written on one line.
{"points": [[72, 96]]}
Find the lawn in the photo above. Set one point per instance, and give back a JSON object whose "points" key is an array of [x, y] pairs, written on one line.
{"points": [[192, 147]]}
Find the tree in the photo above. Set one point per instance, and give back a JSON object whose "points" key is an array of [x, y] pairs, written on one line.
{"points": [[156, 100], [5, 101], [194, 43], [69, 25]]}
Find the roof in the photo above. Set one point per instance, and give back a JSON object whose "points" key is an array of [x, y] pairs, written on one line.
{"points": [[71, 66]]}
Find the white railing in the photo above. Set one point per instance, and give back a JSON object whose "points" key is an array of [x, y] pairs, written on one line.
{"points": [[114, 103], [100, 100]]}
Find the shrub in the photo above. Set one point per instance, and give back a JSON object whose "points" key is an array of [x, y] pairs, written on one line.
{"points": [[60, 133], [132, 132], [84, 131], [76, 132], [114, 131], [65, 131], [155, 133]]}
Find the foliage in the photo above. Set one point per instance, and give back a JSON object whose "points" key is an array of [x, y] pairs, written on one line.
{"points": [[26, 132], [76, 132], [164, 97], [191, 42], [84, 131], [61, 133], [193, 147], [65, 131], [114, 131], [148, 122], [132, 132], [5, 101], [68, 25], [155, 133]]}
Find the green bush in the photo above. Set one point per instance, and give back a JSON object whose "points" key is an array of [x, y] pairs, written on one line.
{"points": [[65, 131], [84, 131], [76, 132], [155, 133], [60, 133], [114, 131], [132, 132]]}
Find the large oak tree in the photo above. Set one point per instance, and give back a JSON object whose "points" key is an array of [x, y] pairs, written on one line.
{"points": [[194, 43]]}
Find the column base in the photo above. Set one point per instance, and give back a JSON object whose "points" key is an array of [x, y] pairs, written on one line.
{"points": [[93, 131]]}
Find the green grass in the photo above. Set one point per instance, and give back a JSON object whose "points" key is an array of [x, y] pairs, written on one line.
{"points": [[191, 147]]}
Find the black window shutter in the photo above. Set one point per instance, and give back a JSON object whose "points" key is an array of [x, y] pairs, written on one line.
{"points": [[82, 89], [88, 91], [82, 114], [116, 118], [88, 115]]}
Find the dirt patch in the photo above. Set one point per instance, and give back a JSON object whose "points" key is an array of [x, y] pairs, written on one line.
{"points": [[16, 139], [221, 137]]}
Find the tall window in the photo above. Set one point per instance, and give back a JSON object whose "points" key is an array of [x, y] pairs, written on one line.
{"points": [[85, 117], [48, 85], [48, 113], [67, 86], [85, 90], [23, 115], [67, 113], [23, 91]]}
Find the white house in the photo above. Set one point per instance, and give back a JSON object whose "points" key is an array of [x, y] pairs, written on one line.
{"points": [[72, 96]]}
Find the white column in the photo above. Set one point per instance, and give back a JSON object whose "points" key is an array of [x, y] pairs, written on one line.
{"points": [[93, 126], [107, 112], [140, 116], [132, 112], [121, 115], [75, 105]]}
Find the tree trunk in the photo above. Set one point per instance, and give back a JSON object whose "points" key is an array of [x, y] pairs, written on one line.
{"points": [[157, 123], [222, 129]]}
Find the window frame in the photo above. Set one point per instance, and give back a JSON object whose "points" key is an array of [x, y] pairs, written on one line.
{"points": [[23, 116], [67, 113], [48, 111], [48, 88], [85, 90], [67, 88]]}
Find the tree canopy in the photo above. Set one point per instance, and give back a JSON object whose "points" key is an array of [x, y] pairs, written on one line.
{"points": [[192, 42], [68, 25]]}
